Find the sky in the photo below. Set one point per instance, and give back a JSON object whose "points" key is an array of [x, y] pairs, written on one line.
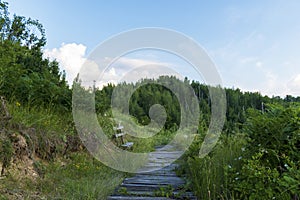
{"points": [[255, 45]]}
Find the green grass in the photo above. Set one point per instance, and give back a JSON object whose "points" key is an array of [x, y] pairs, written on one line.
{"points": [[147, 138], [76, 175], [208, 175], [82, 177], [41, 118]]}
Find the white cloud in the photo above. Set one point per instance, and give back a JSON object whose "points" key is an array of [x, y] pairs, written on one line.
{"points": [[70, 57], [131, 69], [256, 63], [72, 60], [139, 62], [89, 72], [294, 85]]}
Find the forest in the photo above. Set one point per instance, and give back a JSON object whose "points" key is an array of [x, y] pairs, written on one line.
{"points": [[41, 155]]}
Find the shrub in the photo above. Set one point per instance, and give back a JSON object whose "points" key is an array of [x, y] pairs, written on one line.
{"points": [[271, 165], [6, 153]]}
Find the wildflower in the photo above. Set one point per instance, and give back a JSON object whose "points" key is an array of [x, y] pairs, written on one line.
{"points": [[264, 151], [18, 104]]}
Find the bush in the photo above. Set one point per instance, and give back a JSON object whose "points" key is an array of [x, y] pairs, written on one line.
{"points": [[271, 166]]}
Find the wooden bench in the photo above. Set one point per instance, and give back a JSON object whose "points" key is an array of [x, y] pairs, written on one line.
{"points": [[119, 136]]}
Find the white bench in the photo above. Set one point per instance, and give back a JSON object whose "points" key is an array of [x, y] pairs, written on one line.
{"points": [[119, 135]]}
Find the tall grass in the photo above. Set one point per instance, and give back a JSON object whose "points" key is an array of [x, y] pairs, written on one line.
{"points": [[75, 175], [208, 175], [41, 118], [82, 178]]}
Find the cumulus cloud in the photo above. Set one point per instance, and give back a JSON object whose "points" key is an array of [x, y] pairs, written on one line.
{"points": [[70, 57], [294, 85], [126, 69], [72, 60], [132, 69]]}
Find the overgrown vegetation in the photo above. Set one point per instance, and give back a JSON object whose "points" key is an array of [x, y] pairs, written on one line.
{"points": [[261, 162], [41, 155]]}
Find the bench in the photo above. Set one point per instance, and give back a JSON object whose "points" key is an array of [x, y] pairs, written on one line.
{"points": [[119, 135]]}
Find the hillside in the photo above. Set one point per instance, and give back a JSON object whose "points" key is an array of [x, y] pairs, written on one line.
{"points": [[42, 156]]}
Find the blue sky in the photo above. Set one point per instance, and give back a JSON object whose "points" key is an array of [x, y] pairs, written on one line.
{"points": [[255, 44]]}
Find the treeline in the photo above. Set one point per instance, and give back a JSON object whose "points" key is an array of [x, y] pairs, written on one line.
{"points": [[27, 78], [258, 155], [152, 92]]}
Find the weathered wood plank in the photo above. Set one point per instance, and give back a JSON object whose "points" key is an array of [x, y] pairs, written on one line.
{"points": [[151, 195], [160, 183], [160, 173], [153, 178], [148, 187], [137, 198], [142, 186]]}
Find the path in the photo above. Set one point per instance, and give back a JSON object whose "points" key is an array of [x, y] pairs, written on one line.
{"points": [[161, 184]]}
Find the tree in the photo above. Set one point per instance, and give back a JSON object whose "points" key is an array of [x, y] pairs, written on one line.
{"points": [[25, 75]]}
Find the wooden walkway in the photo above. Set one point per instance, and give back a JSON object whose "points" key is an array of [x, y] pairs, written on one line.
{"points": [[161, 184]]}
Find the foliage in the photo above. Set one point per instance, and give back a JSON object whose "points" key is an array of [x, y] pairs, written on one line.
{"points": [[257, 156], [261, 163], [77, 177], [6, 154], [271, 166], [25, 76], [164, 191], [255, 180], [83, 178], [208, 176], [275, 132]]}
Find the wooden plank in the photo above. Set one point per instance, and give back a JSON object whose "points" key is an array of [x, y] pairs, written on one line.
{"points": [[156, 179], [159, 182], [179, 195], [169, 168], [157, 164], [147, 187], [120, 127], [119, 135], [154, 176], [160, 173], [155, 171], [137, 198], [127, 145], [150, 194], [166, 152], [167, 161]]}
